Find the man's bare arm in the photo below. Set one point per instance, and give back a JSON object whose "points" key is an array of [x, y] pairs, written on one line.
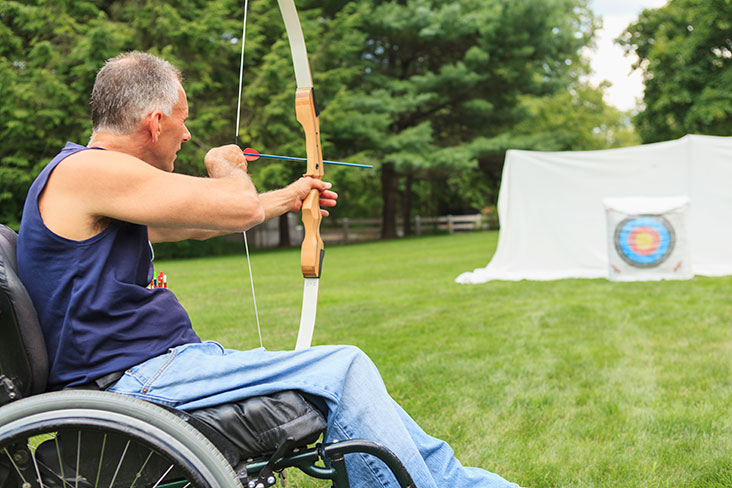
{"points": [[92, 186], [170, 234], [274, 204]]}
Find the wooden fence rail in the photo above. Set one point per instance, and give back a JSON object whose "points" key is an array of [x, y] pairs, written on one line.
{"points": [[344, 230], [354, 230]]}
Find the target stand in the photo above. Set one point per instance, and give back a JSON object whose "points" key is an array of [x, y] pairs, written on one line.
{"points": [[647, 239]]}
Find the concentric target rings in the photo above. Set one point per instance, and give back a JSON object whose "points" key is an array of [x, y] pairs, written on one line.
{"points": [[644, 241]]}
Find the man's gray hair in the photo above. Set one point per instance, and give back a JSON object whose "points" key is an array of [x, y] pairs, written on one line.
{"points": [[130, 86]]}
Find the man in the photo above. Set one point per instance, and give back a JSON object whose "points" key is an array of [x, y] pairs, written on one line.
{"points": [[84, 256]]}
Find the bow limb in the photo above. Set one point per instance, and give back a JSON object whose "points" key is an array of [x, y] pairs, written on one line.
{"points": [[312, 250]]}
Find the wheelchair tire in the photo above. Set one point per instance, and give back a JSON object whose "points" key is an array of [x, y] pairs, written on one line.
{"points": [[108, 422]]}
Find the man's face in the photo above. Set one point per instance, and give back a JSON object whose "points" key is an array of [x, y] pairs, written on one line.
{"points": [[173, 133]]}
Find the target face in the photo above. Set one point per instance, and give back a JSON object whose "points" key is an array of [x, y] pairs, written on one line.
{"points": [[644, 241]]}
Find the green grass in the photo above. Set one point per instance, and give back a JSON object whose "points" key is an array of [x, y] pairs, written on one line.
{"points": [[571, 383]]}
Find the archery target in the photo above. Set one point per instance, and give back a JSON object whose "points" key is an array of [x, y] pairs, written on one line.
{"points": [[647, 241]]}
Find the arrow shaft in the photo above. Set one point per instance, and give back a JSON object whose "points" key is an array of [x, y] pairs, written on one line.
{"points": [[290, 158]]}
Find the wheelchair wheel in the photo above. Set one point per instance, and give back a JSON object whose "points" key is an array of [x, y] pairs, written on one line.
{"points": [[85, 439]]}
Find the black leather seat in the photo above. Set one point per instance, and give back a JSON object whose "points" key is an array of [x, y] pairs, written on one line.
{"points": [[22, 348]]}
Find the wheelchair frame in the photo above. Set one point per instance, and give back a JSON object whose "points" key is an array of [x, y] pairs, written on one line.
{"points": [[37, 429], [138, 420]]}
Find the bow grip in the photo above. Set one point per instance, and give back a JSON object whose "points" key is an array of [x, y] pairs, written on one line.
{"points": [[312, 250]]}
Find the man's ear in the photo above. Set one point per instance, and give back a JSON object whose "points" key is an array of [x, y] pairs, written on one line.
{"points": [[153, 126]]}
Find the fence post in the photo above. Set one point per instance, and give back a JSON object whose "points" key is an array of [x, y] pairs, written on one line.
{"points": [[450, 224], [257, 238], [418, 225], [345, 230]]}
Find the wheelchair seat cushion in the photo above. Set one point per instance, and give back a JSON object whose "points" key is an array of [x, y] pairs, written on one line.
{"points": [[257, 426]]}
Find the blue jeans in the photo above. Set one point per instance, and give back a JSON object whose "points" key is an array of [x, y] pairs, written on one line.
{"points": [[359, 407]]}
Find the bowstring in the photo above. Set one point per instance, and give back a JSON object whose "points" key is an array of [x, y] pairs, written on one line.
{"points": [[238, 117]]}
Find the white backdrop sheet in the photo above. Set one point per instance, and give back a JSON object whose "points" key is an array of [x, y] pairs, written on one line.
{"points": [[552, 217]]}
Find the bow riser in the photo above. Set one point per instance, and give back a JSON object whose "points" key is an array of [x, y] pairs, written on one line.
{"points": [[311, 255], [307, 115]]}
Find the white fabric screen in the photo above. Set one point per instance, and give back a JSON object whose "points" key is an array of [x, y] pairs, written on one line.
{"points": [[552, 217]]}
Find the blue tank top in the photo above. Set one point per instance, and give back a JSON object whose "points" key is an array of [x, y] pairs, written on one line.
{"points": [[95, 310]]}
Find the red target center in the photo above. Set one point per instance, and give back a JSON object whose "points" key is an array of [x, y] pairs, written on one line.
{"points": [[644, 240]]}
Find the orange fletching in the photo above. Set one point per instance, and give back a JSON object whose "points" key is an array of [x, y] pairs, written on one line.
{"points": [[250, 154]]}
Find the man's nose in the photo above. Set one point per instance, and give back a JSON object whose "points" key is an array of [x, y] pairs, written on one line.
{"points": [[186, 134]]}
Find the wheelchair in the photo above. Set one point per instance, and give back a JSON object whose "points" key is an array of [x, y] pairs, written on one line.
{"points": [[81, 438]]}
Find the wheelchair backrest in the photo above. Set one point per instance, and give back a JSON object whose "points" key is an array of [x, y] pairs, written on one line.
{"points": [[23, 356]]}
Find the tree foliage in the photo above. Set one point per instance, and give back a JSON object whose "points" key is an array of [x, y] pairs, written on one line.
{"points": [[431, 92], [50, 51], [436, 76], [685, 52], [574, 119]]}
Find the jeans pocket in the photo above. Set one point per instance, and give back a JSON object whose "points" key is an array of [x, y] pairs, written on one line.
{"points": [[212, 346], [147, 372], [158, 370]]}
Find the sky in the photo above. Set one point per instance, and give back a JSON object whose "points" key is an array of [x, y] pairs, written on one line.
{"points": [[608, 60]]}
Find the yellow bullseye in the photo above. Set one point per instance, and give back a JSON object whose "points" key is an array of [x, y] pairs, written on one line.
{"points": [[644, 240]]}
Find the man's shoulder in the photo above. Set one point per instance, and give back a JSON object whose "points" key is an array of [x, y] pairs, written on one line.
{"points": [[74, 201], [97, 165]]}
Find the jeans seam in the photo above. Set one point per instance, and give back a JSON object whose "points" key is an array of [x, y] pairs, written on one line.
{"points": [[160, 371], [148, 398]]}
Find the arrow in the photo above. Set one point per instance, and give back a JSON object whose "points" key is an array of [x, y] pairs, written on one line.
{"points": [[252, 155]]}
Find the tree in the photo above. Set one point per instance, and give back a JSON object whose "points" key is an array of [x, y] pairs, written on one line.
{"points": [[51, 50], [424, 89], [575, 119], [40, 106], [685, 52], [436, 76]]}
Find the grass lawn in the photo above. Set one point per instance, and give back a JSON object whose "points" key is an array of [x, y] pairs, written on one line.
{"points": [[581, 383]]}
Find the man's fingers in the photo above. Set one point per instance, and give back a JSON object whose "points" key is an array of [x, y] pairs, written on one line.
{"points": [[220, 160], [328, 195], [327, 203], [318, 184], [328, 198]]}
